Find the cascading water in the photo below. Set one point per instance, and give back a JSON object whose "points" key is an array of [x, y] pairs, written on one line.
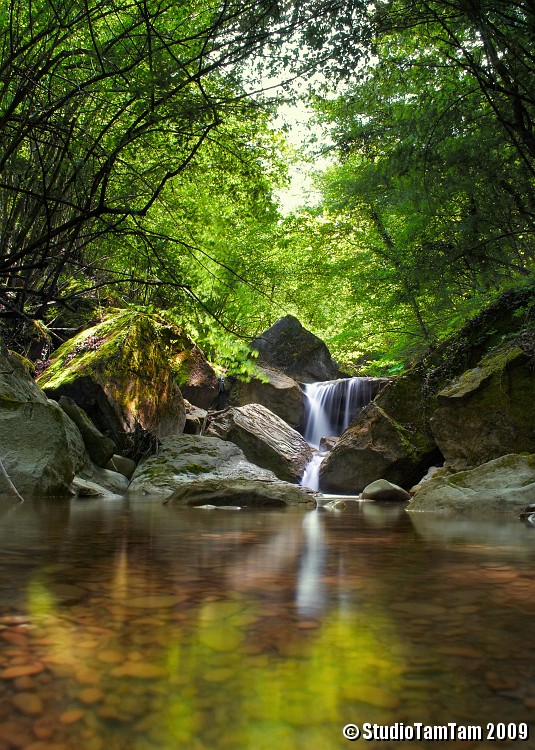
{"points": [[329, 408]]}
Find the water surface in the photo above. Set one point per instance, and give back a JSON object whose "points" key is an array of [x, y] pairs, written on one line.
{"points": [[132, 625]]}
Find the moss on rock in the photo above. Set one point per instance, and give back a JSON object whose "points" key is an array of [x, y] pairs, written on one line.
{"points": [[127, 373]]}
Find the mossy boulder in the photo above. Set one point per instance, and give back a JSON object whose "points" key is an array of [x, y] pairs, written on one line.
{"points": [[374, 446], [409, 402], [487, 411], [128, 373], [465, 401], [506, 483], [290, 347]]}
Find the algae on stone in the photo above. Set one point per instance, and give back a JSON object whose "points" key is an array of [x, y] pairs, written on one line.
{"points": [[506, 483], [126, 373], [487, 412]]}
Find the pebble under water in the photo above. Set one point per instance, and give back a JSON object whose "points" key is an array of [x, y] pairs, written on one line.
{"points": [[132, 625]]}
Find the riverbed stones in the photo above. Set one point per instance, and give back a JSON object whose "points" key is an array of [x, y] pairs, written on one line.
{"points": [[290, 347], [266, 439], [276, 391], [503, 484], [200, 470]]}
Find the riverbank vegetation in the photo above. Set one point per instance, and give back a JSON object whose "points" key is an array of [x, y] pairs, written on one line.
{"points": [[140, 164]]}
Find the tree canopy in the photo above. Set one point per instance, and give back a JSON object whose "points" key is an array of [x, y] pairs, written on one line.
{"points": [[139, 163]]}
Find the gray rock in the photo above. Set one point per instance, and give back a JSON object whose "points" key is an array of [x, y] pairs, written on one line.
{"points": [[195, 419], [485, 413], [266, 439], [327, 443], [113, 481], [16, 382], [383, 490], [374, 446], [294, 350], [99, 447], [274, 390], [506, 483], [205, 470], [40, 447], [123, 465], [252, 493], [85, 488]]}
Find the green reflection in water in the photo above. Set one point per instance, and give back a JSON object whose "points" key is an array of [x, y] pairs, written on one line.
{"points": [[193, 636]]}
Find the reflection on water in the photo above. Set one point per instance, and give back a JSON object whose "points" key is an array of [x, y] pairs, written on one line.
{"points": [[129, 624]]}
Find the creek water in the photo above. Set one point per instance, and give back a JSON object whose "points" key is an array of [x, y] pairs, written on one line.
{"points": [[133, 625]]}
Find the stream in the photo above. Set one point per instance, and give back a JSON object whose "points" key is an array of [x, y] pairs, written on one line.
{"points": [[128, 624]]}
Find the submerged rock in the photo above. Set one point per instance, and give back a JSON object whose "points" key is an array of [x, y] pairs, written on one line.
{"points": [[274, 390], [206, 470], [506, 483], [265, 439], [294, 350]]}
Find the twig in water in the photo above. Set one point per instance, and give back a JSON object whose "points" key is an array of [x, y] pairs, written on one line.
{"points": [[12, 487]]}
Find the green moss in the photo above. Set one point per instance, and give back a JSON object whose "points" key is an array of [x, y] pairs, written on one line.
{"points": [[23, 363]]}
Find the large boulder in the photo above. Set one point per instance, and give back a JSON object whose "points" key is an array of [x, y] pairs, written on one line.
{"points": [[294, 350], [127, 373], [40, 447], [196, 470], [506, 483], [374, 446], [274, 390], [265, 439], [252, 493], [99, 447], [487, 412]]}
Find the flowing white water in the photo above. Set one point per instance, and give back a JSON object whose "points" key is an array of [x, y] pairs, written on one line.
{"points": [[331, 405], [329, 408]]}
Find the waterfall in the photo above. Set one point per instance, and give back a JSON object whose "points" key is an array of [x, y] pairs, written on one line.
{"points": [[329, 408]]}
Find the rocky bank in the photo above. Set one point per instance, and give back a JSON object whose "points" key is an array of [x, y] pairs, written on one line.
{"points": [[121, 408]]}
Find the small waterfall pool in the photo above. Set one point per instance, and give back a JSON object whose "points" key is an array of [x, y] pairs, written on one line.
{"points": [[330, 406]]}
